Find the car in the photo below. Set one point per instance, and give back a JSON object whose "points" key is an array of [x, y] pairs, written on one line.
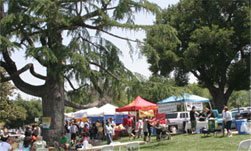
{"points": [[241, 113], [219, 118], [177, 120]]}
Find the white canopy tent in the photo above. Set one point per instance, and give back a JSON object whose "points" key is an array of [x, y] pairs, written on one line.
{"points": [[69, 115], [109, 109], [94, 111]]}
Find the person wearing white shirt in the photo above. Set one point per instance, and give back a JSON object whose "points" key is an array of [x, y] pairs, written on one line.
{"points": [[81, 126], [228, 121], [140, 127], [4, 145], [73, 131], [108, 132]]}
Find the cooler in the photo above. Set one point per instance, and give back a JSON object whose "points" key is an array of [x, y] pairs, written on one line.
{"points": [[212, 124], [241, 124]]}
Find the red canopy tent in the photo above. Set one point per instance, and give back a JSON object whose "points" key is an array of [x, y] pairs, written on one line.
{"points": [[138, 104]]}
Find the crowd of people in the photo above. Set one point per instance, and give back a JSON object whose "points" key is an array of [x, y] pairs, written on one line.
{"points": [[105, 130], [86, 131], [26, 139], [226, 116]]}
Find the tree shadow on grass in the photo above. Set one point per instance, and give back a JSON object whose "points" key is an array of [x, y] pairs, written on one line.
{"points": [[157, 144], [206, 136]]}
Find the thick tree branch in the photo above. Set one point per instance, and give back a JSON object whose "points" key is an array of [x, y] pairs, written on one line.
{"points": [[25, 68], [99, 28], [228, 92], [107, 71], [123, 38], [11, 68], [95, 45], [69, 81], [32, 71], [94, 82], [18, 72]]}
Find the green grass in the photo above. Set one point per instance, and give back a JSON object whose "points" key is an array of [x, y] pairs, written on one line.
{"points": [[188, 142], [198, 142]]}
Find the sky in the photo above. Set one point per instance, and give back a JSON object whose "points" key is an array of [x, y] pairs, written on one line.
{"points": [[135, 64]]}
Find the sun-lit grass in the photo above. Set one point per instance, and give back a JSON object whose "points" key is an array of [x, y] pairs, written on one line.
{"points": [[198, 142], [188, 142]]}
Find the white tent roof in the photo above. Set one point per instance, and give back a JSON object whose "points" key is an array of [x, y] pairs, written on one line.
{"points": [[86, 113], [69, 115], [109, 109]]}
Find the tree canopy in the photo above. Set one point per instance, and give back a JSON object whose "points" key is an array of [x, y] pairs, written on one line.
{"points": [[38, 28], [8, 110], [214, 45]]}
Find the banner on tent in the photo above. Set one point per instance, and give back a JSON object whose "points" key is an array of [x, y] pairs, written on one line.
{"points": [[166, 108], [198, 105], [146, 113], [133, 113]]}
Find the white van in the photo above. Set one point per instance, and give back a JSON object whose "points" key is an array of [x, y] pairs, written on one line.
{"points": [[177, 120]]}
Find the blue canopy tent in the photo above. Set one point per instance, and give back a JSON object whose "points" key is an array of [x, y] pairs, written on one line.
{"points": [[184, 98]]}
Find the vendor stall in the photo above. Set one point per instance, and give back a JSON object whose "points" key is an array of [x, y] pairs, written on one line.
{"points": [[138, 104], [188, 100]]}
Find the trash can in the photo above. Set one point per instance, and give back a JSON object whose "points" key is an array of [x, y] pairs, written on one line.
{"points": [[212, 124], [242, 126]]}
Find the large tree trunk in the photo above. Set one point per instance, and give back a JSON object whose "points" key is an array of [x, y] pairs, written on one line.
{"points": [[220, 98], [219, 101], [53, 107]]}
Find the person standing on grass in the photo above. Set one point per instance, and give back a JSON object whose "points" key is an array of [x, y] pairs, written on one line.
{"points": [[140, 127], [129, 130], [112, 122], [193, 120], [93, 131], [80, 127], [202, 116], [224, 121], [145, 130], [108, 132], [73, 131], [100, 129], [158, 130], [228, 121], [210, 113], [149, 128], [134, 127]]}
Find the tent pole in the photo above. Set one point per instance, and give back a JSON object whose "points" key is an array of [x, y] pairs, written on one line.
{"points": [[210, 105]]}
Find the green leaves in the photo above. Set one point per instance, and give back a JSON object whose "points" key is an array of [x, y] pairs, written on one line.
{"points": [[8, 110], [45, 54], [213, 46]]}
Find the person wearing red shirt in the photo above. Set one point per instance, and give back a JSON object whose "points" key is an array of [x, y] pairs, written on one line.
{"points": [[129, 129]]}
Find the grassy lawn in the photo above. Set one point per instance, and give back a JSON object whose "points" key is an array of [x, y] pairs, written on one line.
{"points": [[198, 142]]}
